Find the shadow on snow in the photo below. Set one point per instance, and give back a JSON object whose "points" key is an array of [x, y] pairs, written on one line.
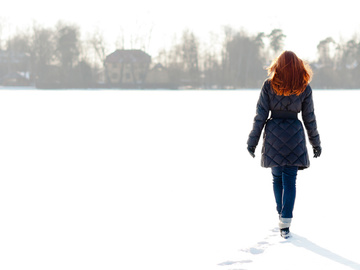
{"points": [[302, 242]]}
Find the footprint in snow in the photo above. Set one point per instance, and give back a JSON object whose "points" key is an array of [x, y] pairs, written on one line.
{"points": [[257, 249], [234, 262]]}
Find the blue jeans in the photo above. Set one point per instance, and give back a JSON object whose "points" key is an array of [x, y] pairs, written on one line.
{"points": [[284, 183]]}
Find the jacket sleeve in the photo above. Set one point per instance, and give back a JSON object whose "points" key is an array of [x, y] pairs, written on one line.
{"points": [[309, 119], [262, 113]]}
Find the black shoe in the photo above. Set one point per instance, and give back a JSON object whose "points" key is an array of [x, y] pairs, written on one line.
{"points": [[285, 233]]}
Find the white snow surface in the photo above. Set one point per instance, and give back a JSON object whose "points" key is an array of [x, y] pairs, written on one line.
{"points": [[162, 180]]}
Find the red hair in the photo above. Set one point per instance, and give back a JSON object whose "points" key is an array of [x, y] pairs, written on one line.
{"points": [[289, 75]]}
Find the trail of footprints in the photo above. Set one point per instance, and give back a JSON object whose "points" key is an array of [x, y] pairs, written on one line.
{"points": [[249, 253]]}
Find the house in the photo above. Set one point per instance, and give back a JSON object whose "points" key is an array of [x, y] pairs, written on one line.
{"points": [[12, 67], [14, 79], [127, 68]]}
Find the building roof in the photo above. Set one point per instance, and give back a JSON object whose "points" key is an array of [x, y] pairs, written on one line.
{"points": [[128, 56]]}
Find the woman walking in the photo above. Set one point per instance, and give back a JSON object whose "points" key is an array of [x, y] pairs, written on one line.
{"points": [[285, 94]]}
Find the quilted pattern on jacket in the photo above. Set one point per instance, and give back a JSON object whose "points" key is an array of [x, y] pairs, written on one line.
{"points": [[284, 141]]}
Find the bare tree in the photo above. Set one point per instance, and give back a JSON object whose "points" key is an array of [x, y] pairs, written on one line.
{"points": [[67, 39], [19, 43], [120, 41], [99, 46], [276, 40], [174, 63], [351, 54], [1, 32], [210, 62], [242, 60], [324, 51], [190, 57], [42, 54], [141, 37]]}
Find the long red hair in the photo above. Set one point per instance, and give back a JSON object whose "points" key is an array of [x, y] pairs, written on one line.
{"points": [[289, 75]]}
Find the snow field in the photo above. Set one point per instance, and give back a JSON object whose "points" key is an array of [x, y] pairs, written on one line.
{"points": [[162, 180]]}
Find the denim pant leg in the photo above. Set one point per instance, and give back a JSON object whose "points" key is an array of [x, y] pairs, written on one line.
{"points": [[284, 183], [289, 184], [278, 187]]}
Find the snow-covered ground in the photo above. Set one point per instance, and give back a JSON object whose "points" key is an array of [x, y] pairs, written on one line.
{"points": [[162, 180]]}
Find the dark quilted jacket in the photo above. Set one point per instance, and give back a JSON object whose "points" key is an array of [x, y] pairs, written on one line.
{"points": [[284, 139]]}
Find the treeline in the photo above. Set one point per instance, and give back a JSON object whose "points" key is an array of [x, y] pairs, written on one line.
{"points": [[53, 55], [242, 59], [338, 64], [237, 63], [236, 59]]}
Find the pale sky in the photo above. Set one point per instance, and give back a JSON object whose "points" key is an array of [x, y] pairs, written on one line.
{"points": [[304, 22]]}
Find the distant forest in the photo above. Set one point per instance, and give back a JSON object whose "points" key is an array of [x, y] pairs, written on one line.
{"points": [[239, 62]]}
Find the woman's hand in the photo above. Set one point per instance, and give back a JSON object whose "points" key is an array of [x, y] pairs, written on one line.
{"points": [[251, 150], [317, 151]]}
